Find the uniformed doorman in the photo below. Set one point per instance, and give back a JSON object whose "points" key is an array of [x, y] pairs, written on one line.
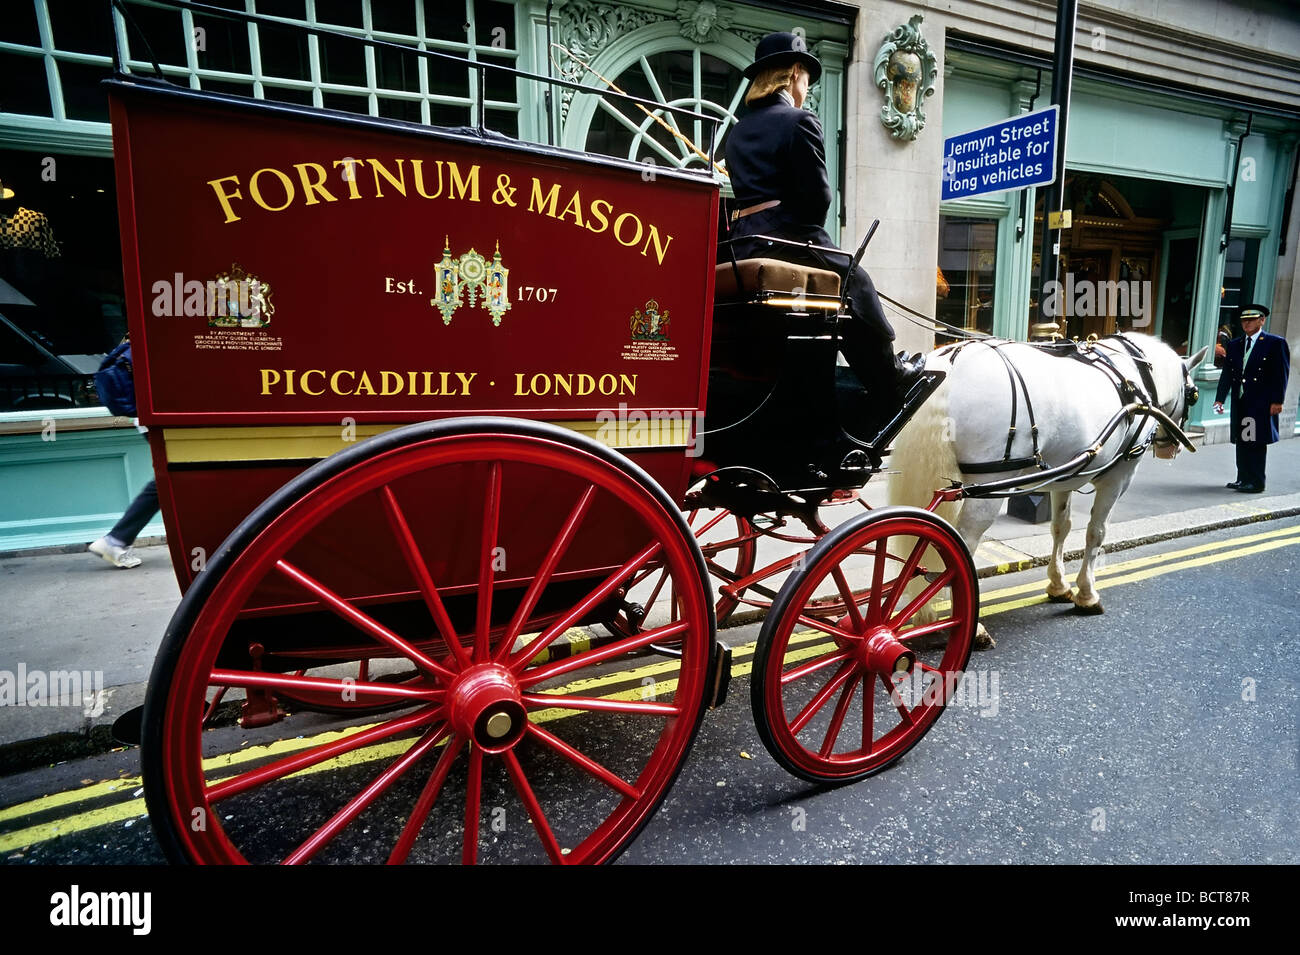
{"points": [[1255, 373]]}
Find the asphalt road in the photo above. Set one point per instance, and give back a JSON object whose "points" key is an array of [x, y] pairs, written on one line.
{"points": [[1163, 732]]}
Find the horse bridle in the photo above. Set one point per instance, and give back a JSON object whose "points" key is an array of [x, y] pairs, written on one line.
{"points": [[1191, 394]]}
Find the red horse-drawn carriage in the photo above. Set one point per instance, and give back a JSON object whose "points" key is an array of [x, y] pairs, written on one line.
{"points": [[427, 412]]}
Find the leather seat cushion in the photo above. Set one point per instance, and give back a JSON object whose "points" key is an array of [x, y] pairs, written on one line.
{"points": [[773, 275]]}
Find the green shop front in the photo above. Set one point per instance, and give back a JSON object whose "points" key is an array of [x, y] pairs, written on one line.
{"points": [[1151, 178]]}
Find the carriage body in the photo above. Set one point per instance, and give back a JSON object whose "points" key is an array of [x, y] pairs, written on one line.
{"points": [[421, 403], [299, 282]]}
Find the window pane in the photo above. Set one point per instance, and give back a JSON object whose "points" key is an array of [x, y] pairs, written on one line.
{"points": [[284, 52], [83, 98], [408, 110], [23, 87], [397, 71], [967, 260], [289, 9], [346, 13], [448, 115], [342, 61], [163, 33], [498, 84], [448, 78], [446, 21], [79, 27], [223, 45], [494, 24], [20, 24], [347, 102], [288, 95], [503, 121], [221, 86], [395, 16]]}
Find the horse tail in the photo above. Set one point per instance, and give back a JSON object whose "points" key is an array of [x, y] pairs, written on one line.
{"points": [[924, 457]]}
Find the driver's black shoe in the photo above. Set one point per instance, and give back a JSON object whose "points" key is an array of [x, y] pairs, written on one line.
{"points": [[1233, 485], [912, 366]]}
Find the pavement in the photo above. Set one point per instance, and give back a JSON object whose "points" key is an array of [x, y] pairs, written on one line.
{"points": [[70, 616]]}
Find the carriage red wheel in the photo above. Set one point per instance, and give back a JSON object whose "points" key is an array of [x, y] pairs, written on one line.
{"points": [[729, 544], [499, 752], [862, 650]]}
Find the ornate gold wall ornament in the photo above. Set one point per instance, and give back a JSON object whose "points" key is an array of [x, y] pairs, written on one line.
{"points": [[905, 68]]}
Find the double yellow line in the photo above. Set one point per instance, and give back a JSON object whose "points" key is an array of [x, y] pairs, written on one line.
{"points": [[992, 602]]}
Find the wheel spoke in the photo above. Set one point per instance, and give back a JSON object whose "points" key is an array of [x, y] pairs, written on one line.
{"points": [[517, 661], [558, 548], [362, 620], [899, 705], [599, 704], [926, 629], [358, 803], [487, 555], [837, 718], [473, 812], [534, 807], [825, 693], [878, 581], [900, 582], [700, 532], [923, 598], [363, 692], [829, 629], [850, 600], [423, 805], [812, 666], [234, 785], [539, 674], [420, 570], [582, 761]]}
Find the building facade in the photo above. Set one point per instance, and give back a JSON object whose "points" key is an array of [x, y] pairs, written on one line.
{"points": [[1180, 165]]}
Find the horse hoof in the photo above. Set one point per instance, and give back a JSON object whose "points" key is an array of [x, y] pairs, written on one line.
{"points": [[982, 639], [1090, 610], [1065, 598]]}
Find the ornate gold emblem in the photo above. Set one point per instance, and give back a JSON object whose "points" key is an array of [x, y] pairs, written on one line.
{"points": [[471, 276]]}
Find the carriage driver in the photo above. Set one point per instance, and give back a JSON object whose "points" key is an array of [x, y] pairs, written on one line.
{"points": [[776, 158]]}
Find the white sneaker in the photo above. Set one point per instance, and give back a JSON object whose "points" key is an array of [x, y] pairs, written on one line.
{"points": [[115, 554]]}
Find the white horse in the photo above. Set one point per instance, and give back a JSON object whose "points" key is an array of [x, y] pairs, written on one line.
{"points": [[968, 418]]}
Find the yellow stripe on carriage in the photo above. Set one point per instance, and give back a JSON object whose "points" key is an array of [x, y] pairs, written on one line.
{"points": [[220, 445]]}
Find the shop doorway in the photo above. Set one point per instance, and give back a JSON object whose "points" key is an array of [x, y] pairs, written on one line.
{"points": [[1113, 258]]}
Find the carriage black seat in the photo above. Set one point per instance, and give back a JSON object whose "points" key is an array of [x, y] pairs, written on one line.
{"points": [[759, 278]]}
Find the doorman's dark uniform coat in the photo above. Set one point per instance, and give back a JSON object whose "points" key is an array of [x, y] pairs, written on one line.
{"points": [[1262, 383], [777, 152]]}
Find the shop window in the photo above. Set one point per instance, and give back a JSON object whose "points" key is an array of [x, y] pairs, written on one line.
{"points": [[967, 272], [1240, 267], [60, 278]]}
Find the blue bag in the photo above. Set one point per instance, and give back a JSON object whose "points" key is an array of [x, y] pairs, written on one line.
{"points": [[115, 383]]}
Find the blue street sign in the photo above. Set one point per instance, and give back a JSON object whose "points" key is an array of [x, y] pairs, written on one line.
{"points": [[1011, 154]]}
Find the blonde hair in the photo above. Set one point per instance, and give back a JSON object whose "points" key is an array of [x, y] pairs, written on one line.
{"points": [[770, 81]]}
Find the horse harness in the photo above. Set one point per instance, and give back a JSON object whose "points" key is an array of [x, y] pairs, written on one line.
{"points": [[1100, 358]]}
